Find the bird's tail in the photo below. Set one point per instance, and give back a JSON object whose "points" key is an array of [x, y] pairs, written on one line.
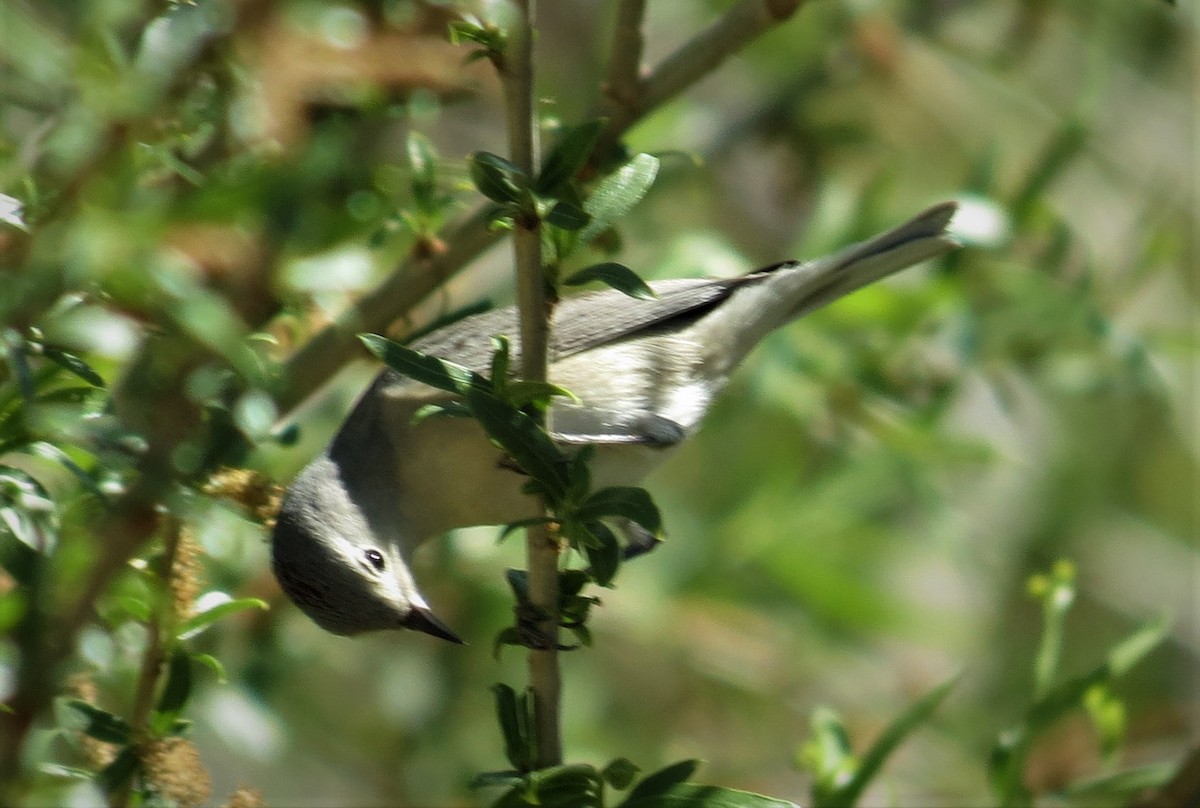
{"points": [[791, 290]]}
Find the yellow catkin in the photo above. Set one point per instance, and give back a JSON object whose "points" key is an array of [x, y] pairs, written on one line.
{"points": [[246, 797], [259, 495], [174, 769], [98, 754], [186, 579]]}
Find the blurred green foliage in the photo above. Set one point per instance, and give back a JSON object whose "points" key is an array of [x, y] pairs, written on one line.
{"points": [[193, 192]]}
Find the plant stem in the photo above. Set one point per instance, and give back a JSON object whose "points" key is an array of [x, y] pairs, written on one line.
{"points": [[154, 656], [625, 56], [541, 546]]}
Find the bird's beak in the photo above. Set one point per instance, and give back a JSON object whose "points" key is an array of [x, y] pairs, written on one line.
{"points": [[420, 619]]}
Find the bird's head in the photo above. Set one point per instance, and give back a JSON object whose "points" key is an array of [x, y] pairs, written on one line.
{"points": [[336, 567]]}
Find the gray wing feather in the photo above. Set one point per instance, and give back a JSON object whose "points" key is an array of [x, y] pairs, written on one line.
{"points": [[581, 322]]}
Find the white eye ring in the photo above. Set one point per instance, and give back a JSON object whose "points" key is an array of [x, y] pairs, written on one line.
{"points": [[376, 559]]}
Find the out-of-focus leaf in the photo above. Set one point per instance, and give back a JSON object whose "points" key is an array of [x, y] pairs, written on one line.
{"points": [[101, 724], [422, 160], [569, 154], [616, 194], [74, 364], [693, 795], [51, 452], [618, 276], [827, 755], [850, 791], [199, 622], [663, 780], [619, 773], [1118, 785], [213, 664], [120, 771], [178, 688]]}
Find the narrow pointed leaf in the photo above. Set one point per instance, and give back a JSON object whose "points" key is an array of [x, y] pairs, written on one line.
{"points": [[663, 780], [101, 724], [693, 795], [74, 364], [618, 276], [566, 216], [430, 370], [891, 738], [199, 622], [634, 504], [569, 154], [524, 440], [179, 683]]}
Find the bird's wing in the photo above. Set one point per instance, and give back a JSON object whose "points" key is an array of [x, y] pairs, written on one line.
{"points": [[581, 322]]}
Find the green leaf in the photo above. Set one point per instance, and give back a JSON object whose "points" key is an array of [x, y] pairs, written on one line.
{"points": [[496, 178], [500, 363], [422, 160], [1119, 785], [516, 726], [439, 373], [603, 553], [101, 724], [212, 663], [524, 440], [521, 524], [199, 622], [469, 29], [522, 393], [618, 276], [634, 504], [574, 785], [566, 216], [663, 780], [178, 688], [73, 364], [506, 636], [1134, 648], [848, 794], [692, 795], [616, 194], [570, 153], [57, 455], [116, 774], [620, 773], [827, 755], [508, 777]]}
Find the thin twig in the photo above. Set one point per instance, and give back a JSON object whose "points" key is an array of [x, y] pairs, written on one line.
{"points": [[625, 56], [702, 54], [154, 655], [545, 681]]}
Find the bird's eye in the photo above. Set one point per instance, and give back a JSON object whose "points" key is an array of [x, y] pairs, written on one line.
{"points": [[376, 559]]}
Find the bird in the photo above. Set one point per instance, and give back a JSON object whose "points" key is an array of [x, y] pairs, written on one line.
{"points": [[643, 373]]}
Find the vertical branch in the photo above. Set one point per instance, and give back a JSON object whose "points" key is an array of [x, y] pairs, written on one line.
{"points": [[621, 87], [541, 545], [154, 655]]}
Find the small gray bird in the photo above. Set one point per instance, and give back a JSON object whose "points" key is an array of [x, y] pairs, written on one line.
{"points": [[645, 373]]}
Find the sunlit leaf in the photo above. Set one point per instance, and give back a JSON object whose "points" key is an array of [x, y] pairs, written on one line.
{"points": [[618, 276], [201, 621], [616, 194]]}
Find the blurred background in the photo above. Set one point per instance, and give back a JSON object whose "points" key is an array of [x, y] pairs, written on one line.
{"points": [[858, 519]]}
